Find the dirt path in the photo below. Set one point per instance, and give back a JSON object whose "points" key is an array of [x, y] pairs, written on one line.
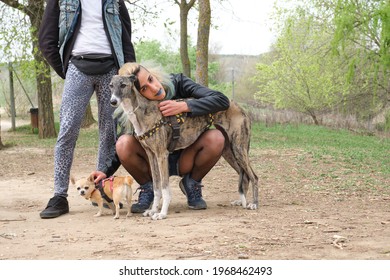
{"points": [[302, 216]]}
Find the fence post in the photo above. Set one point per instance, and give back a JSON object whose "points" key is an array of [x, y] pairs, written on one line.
{"points": [[12, 96]]}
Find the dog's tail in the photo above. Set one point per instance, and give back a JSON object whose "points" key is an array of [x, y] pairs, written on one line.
{"points": [[128, 180]]}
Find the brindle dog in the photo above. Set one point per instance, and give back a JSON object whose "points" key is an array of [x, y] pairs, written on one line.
{"points": [[155, 133]]}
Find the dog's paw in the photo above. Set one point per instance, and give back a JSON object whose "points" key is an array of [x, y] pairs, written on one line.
{"points": [[236, 203], [116, 217], [252, 206], [97, 214], [159, 216], [149, 213]]}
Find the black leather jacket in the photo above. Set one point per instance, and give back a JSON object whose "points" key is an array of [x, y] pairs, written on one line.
{"points": [[205, 101]]}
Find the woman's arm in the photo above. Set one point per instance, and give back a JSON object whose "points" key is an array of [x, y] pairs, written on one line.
{"points": [[205, 100], [48, 36]]}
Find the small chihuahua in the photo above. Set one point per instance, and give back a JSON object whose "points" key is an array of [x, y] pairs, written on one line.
{"points": [[116, 189]]}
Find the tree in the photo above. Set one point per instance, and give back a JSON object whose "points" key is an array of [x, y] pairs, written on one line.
{"points": [[305, 76], [184, 9], [34, 10], [360, 35], [366, 23], [202, 51]]}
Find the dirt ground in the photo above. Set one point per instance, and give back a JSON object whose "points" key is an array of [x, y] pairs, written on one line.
{"points": [[303, 215]]}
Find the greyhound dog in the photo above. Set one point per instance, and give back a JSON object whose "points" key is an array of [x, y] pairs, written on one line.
{"points": [[156, 134]]}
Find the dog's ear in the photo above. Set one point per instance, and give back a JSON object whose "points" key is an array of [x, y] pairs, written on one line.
{"points": [[91, 178], [72, 180], [132, 78]]}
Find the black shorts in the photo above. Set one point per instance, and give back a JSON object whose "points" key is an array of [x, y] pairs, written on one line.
{"points": [[173, 163]]}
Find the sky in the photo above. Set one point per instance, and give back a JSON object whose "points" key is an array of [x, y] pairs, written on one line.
{"points": [[243, 27]]}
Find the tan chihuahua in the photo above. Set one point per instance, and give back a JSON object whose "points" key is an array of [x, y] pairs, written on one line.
{"points": [[113, 189]]}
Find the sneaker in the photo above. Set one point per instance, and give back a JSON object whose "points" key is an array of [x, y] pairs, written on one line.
{"points": [[193, 190], [145, 198], [57, 206]]}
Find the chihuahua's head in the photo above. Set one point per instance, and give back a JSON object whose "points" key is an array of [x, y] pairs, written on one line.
{"points": [[84, 187]]}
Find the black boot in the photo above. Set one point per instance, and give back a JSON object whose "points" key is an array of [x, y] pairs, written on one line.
{"points": [[193, 190], [145, 198], [57, 206]]}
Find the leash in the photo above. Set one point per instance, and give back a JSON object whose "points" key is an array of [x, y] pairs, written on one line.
{"points": [[100, 187]]}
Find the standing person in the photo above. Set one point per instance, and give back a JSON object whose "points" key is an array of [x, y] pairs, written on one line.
{"points": [[191, 163], [86, 42]]}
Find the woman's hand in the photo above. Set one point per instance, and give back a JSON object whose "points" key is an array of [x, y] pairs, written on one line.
{"points": [[172, 107], [98, 175]]}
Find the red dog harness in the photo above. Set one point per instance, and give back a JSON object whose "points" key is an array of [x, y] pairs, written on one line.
{"points": [[100, 187]]}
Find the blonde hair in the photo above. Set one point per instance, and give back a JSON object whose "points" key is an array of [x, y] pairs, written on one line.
{"points": [[132, 68]]}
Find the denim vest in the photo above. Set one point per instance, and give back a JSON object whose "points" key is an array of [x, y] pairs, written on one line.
{"points": [[69, 15]]}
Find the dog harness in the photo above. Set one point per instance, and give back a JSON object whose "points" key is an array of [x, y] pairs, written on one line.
{"points": [[174, 122], [100, 187]]}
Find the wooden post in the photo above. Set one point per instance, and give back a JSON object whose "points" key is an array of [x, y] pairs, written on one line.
{"points": [[12, 96]]}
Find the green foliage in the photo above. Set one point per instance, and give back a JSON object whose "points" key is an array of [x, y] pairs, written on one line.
{"points": [[153, 51], [366, 23], [15, 36], [304, 75]]}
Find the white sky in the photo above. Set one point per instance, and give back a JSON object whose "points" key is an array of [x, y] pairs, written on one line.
{"points": [[243, 27]]}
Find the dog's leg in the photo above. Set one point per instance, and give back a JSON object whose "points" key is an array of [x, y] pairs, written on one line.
{"points": [[128, 199], [100, 206], [236, 153], [165, 189], [156, 177], [160, 174], [116, 209], [247, 176]]}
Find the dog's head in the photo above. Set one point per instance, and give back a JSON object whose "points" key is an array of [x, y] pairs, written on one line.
{"points": [[85, 186], [121, 88]]}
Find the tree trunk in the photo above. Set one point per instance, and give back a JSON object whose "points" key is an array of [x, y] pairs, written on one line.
{"points": [[185, 60], [202, 50], [88, 119], [46, 126], [314, 117]]}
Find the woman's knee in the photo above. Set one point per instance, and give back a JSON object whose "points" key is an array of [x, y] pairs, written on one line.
{"points": [[124, 145], [214, 139]]}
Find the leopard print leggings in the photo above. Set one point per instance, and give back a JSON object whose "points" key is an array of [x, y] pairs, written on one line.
{"points": [[78, 90]]}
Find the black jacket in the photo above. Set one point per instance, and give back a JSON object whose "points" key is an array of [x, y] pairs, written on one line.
{"points": [[205, 101]]}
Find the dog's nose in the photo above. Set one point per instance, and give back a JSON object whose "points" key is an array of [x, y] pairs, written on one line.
{"points": [[82, 192], [114, 102]]}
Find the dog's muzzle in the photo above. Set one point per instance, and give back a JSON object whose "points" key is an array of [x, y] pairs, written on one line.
{"points": [[114, 102]]}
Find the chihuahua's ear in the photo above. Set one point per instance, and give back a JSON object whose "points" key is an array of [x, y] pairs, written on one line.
{"points": [[91, 178], [72, 180]]}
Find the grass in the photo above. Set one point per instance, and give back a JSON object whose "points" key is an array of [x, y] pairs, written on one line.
{"points": [[23, 136], [354, 153], [365, 153]]}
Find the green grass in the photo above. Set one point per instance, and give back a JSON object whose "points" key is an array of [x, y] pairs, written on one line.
{"points": [[362, 154], [365, 153], [23, 136]]}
